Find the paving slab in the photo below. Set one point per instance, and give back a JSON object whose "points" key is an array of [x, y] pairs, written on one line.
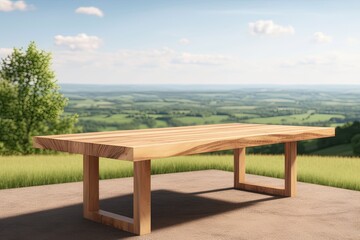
{"points": [[190, 205]]}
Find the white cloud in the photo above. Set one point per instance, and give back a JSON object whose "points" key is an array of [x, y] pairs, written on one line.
{"points": [[164, 66], [320, 37], [199, 59], [78, 42], [184, 41], [90, 11], [5, 52], [313, 60], [154, 58], [240, 12], [352, 41], [8, 6], [268, 27], [318, 60]]}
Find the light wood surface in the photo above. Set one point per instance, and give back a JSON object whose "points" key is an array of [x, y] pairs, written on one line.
{"points": [[140, 224], [115, 220], [261, 189], [239, 166], [137, 145], [290, 169], [90, 185], [289, 189], [142, 197]]}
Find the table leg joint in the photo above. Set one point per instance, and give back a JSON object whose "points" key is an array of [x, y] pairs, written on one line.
{"points": [[290, 173], [261, 189], [140, 224], [111, 219]]}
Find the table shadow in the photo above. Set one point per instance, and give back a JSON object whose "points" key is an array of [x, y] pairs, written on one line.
{"points": [[169, 208]]}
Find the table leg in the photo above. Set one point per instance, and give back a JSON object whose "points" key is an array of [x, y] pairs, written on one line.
{"points": [[91, 186], [290, 169], [141, 222], [239, 166], [290, 173], [142, 197]]}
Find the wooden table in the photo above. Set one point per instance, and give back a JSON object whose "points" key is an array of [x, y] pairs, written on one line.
{"points": [[140, 146]]}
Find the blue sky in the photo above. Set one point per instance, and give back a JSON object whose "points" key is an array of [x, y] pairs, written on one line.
{"points": [[190, 42]]}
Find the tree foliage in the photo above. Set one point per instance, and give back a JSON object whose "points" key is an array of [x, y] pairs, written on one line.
{"points": [[30, 102], [343, 135], [355, 143]]}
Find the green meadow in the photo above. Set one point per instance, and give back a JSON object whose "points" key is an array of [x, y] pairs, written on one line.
{"points": [[23, 171]]}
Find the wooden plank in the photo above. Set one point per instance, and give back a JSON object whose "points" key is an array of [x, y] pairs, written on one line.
{"points": [[290, 169], [100, 150], [113, 220], [211, 136], [157, 143], [122, 137], [150, 139], [116, 221], [194, 147], [168, 130], [125, 139], [142, 197], [90, 186], [261, 189], [239, 166]]}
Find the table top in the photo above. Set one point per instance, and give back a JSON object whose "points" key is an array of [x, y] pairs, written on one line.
{"points": [[137, 145]]}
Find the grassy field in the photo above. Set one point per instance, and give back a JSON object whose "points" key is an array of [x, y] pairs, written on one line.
{"points": [[22, 171]]}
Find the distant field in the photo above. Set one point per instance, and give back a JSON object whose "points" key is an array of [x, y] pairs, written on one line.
{"points": [[192, 120], [92, 103], [202, 120], [238, 107], [248, 115], [22, 171], [120, 108], [296, 118], [119, 118], [272, 106]]}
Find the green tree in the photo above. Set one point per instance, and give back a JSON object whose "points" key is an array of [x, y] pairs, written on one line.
{"points": [[30, 102], [355, 142]]}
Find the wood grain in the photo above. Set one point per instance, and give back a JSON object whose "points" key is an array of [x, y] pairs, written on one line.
{"points": [[141, 222], [116, 221], [90, 186], [239, 166], [290, 173], [261, 189], [113, 220], [137, 145], [290, 169], [142, 197]]}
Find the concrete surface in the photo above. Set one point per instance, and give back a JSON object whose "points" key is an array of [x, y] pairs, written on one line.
{"points": [[192, 205]]}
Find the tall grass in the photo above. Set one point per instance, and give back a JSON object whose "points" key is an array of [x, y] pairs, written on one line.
{"points": [[23, 171]]}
